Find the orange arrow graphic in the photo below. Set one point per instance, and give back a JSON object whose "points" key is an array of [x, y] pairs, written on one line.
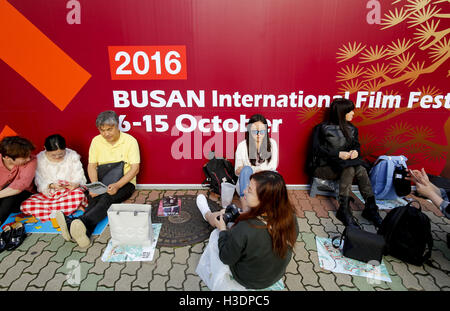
{"points": [[37, 59], [7, 131]]}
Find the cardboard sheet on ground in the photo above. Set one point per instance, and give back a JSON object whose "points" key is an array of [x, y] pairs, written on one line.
{"points": [[34, 225], [384, 204], [332, 259], [132, 253]]}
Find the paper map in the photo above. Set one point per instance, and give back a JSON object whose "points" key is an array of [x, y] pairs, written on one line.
{"points": [[331, 258], [130, 252]]}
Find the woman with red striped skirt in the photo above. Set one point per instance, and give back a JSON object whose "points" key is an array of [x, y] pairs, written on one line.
{"points": [[59, 175]]}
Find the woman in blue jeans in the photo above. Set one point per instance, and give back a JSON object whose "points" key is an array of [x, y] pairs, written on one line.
{"points": [[256, 153]]}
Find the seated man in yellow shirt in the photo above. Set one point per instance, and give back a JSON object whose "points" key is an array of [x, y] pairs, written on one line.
{"points": [[109, 147]]}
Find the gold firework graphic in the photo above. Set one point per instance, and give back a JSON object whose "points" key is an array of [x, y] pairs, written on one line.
{"points": [[418, 52]]}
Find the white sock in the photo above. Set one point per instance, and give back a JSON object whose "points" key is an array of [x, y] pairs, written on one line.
{"points": [[202, 205]]}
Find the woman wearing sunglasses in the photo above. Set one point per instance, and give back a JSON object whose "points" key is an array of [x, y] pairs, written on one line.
{"points": [[256, 153]]}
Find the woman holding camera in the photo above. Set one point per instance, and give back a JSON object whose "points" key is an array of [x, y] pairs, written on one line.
{"points": [[255, 251]]}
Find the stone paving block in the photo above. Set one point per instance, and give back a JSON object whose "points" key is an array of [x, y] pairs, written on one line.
{"points": [[64, 251], [22, 282], [169, 250], [320, 210], [300, 252], [294, 282], [176, 276], [329, 227], [303, 225], [442, 247], [312, 218], [111, 275], [13, 273], [344, 280], [159, 283], [55, 243], [95, 251], [46, 274], [39, 262], [441, 278], [29, 241], [319, 231], [70, 261], [427, 282], [327, 281], [396, 284], [348, 289], [99, 266], [144, 276], [34, 251], [314, 259], [362, 283], [310, 241], [192, 283], [10, 260], [408, 279], [124, 282], [55, 284], [193, 260], [104, 237], [181, 254], [131, 267], [309, 276], [313, 288], [198, 248], [164, 264], [434, 218], [292, 267], [90, 282]]}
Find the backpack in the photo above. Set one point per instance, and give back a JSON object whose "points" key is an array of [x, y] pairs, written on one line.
{"points": [[218, 171], [407, 232], [388, 178]]}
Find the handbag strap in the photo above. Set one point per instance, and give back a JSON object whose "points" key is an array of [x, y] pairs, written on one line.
{"points": [[341, 239]]}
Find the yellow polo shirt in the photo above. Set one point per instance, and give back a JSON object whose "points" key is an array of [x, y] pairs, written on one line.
{"points": [[125, 149]]}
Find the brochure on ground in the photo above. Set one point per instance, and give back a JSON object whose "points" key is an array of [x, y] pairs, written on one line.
{"points": [[169, 206], [97, 187]]}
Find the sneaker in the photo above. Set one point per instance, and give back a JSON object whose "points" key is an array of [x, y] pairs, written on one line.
{"points": [[78, 233], [64, 225]]}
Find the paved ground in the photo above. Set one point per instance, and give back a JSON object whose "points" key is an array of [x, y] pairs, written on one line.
{"points": [[44, 261]]}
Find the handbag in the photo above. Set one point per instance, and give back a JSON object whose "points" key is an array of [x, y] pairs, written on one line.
{"points": [[130, 224], [110, 173], [361, 245]]}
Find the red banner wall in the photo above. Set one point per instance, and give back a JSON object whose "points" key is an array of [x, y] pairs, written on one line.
{"points": [[60, 59]]}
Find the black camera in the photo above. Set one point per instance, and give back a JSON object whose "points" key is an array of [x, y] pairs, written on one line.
{"points": [[231, 213]]}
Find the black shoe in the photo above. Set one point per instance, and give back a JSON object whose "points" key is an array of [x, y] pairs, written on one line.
{"points": [[18, 235], [370, 212], [344, 213], [5, 236]]}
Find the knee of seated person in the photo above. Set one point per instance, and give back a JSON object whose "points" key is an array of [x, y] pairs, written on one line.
{"points": [[246, 170]]}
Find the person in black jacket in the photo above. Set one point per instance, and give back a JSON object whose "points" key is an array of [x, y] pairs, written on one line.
{"points": [[336, 155]]}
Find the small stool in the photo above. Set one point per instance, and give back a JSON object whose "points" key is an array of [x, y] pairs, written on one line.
{"points": [[324, 187]]}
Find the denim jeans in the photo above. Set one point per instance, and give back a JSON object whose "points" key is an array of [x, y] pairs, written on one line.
{"points": [[244, 180]]}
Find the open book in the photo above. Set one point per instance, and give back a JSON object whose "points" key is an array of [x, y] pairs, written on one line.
{"points": [[97, 187]]}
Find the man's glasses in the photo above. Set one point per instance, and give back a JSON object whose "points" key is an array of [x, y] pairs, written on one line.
{"points": [[256, 132]]}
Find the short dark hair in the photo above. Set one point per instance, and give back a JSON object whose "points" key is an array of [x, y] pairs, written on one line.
{"points": [[55, 142], [16, 147]]}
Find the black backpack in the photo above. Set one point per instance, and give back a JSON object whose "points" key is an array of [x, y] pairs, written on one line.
{"points": [[407, 232], [218, 171]]}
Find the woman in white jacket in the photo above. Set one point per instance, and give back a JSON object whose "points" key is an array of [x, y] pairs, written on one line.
{"points": [[59, 175], [256, 153]]}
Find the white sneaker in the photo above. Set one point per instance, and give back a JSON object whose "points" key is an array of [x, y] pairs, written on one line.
{"points": [[202, 205]]}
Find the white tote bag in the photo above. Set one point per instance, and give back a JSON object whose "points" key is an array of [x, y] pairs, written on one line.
{"points": [[130, 224]]}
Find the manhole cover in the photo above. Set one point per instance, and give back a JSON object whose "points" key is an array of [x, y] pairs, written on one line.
{"points": [[185, 229]]}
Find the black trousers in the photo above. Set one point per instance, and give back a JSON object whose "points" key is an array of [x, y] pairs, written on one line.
{"points": [[346, 178], [12, 204], [98, 206]]}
